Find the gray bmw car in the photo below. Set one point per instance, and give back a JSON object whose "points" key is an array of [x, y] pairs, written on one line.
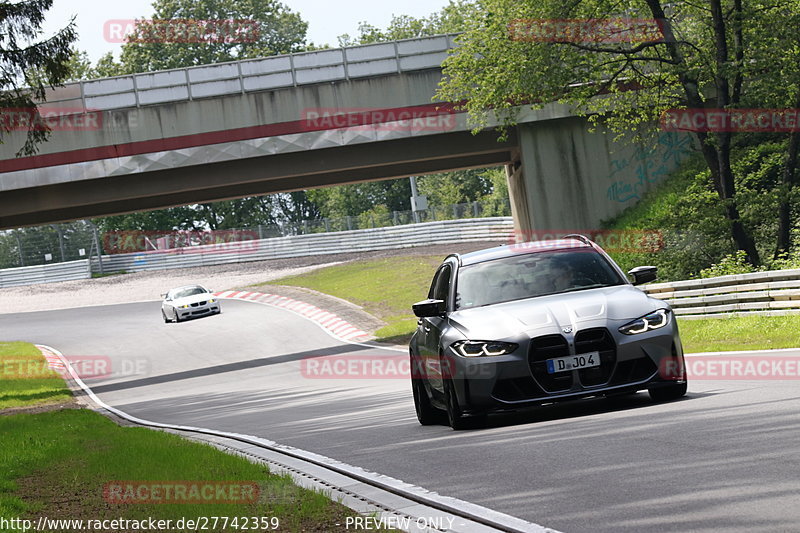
{"points": [[534, 323]]}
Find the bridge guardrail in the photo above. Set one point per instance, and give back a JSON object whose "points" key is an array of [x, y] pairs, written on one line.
{"points": [[775, 292], [29, 275], [248, 75]]}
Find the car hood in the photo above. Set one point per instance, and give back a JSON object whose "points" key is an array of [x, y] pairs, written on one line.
{"points": [[195, 298], [545, 314]]}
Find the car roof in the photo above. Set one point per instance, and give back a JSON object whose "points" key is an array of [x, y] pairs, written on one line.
{"points": [[508, 250]]}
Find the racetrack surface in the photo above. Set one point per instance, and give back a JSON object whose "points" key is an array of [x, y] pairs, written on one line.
{"points": [[724, 458]]}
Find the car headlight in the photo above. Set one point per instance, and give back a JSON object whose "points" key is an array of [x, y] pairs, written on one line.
{"points": [[211, 300], [482, 348], [183, 306], [654, 320]]}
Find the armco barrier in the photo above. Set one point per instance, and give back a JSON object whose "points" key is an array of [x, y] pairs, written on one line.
{"points": [[12, 277], [776, 292], [442, 232]]}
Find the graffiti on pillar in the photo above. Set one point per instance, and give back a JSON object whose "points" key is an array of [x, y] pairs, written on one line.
{"points": [[647, 165]]}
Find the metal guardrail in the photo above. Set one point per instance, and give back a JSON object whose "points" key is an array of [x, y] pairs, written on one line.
{"points": [[249, 75], [71, 270], [776, 292], [392, 237]]}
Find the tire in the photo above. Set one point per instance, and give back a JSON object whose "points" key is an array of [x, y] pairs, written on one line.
{"points": [[427, 414], [455, 417], [667, 394]]}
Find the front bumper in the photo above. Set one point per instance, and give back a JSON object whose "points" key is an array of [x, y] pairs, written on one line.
{"points": [[518, 380], [198, 310]]}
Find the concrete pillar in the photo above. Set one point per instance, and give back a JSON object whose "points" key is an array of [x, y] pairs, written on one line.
{"points": [[571, 179], [518, 197]]}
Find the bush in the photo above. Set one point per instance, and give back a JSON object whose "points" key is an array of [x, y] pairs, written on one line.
{"points": [[735, 263]]}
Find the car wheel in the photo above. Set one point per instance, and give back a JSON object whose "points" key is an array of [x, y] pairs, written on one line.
{"points": [[455, 417], [666, 394], [427, 414]]}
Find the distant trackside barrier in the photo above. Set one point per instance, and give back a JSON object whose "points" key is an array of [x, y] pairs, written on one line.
{"points": [[11, 277], [442, 232]]}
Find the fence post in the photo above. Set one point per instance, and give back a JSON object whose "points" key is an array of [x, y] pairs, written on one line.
{"points": [[327, 225], [260, 232], [60, 234], [96, 247], [475, 212], [349, 222], [19, 249]]}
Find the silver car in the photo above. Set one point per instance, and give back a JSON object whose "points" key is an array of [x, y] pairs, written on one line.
{"points": [[188, 302], [522, 325]]}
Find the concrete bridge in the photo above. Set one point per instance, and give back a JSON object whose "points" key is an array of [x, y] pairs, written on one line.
{"points": [[301, 121]]}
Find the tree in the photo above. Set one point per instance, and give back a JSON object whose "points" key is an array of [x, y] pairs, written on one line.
{"points": [[456, 187], [779, 43], [352, 200], [257, 28], [452, 18], [702, 56], [28, 67]]}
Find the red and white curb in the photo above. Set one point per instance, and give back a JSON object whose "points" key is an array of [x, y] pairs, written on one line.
{"points": [[330, 322], [53, 360]]}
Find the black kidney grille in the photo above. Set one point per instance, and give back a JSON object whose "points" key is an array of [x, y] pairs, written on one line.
{"points": [[596, 340], [542, 349]]}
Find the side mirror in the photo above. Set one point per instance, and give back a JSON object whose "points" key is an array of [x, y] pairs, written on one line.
{"points": [[643, 274], [429, 308]]}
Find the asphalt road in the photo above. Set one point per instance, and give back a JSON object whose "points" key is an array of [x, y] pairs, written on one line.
{"points": [[724, 458]]}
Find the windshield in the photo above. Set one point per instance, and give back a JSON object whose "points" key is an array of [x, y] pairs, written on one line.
{"points": [[531, 275], [190, 291]]}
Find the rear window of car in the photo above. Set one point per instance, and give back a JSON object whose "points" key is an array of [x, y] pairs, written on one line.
{"points": [[531, 275]]}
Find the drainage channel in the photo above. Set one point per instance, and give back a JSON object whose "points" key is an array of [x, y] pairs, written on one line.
{"points": [[402, 505]]}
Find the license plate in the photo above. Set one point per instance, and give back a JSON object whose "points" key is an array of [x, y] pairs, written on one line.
{"points": [[573, 362]]}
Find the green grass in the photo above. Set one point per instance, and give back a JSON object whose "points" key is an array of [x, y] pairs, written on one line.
{"points": [[385, 288], [57, 463], [740, 333], [25, 378]]}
